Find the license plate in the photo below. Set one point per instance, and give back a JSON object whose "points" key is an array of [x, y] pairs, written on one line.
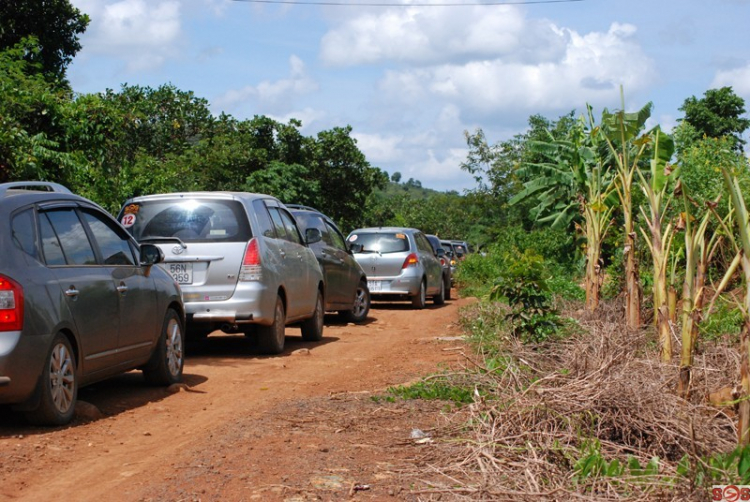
{"points": [[182, 273], [375, 285]]}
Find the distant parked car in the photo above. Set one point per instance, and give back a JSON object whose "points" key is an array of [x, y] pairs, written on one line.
{"points": [[445, 262], [461, 248], [241, 260], [80, 301], [451, 252], [399, 262], [345, 281]]}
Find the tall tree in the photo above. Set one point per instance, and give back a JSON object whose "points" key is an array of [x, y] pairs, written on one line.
{"points": [[718, 113], [55, 24]]}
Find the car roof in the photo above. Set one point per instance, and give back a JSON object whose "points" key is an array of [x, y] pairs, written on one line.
{"points": [[404, 230], [228, 195], [18, 194]]}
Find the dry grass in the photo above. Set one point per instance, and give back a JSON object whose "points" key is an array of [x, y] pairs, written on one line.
{"points": [[603, 388]]}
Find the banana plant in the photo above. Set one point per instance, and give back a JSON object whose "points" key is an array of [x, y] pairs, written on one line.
{"points": [[699, 249], [574, 186], [621, 131], [659, 236]]}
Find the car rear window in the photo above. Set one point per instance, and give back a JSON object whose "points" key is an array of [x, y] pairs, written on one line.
{"points": [[190, 220], [381, 242]]}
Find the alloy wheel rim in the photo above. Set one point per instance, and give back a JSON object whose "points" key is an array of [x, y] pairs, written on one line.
{"points": [[359, 302], [174, 347], [62, 378]]}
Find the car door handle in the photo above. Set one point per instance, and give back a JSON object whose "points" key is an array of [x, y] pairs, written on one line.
{"points": [[72, 291], [122, 289]]}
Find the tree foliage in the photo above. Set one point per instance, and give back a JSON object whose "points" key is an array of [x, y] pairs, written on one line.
{"points": [[717, 114], [55, 24]]}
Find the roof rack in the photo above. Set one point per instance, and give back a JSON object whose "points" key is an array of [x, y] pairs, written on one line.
{"points": [[51, 187]]}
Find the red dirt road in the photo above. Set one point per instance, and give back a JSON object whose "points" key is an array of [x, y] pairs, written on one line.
{"points": [[299, 426]]}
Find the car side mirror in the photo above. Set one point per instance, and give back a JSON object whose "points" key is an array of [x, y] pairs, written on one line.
{"points": [[151, 254], [356, 248], [313, 235]]}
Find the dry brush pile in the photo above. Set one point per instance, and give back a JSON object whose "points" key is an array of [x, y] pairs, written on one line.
{"points": [[595, 416]]}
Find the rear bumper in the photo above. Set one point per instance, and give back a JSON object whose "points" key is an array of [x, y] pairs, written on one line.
{"points": [[251, 303], [21, 364], [386, 286]]}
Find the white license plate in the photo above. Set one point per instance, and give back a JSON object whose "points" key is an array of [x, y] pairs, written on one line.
{"points": [[182, 273], [375, 286]]}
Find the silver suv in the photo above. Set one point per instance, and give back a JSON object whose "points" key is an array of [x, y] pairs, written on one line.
{"points": [[240, 259], [399, 262], [80, 301]]}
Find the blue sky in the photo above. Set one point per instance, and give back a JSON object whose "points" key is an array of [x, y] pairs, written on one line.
{"points": [[411, 79]]}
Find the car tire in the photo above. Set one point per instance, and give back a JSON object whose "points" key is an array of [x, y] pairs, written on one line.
{"points": [[271, 338], [312, 328], [419, 300], [59, 386], [439, 299], [361, 306], [168, 358]]}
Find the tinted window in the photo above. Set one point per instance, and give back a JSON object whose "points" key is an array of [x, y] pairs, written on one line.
{"points": [[71, 237], [191, 220], [114, 248], [264, 220], [24, 235], [292, 231], [278, 223], [395, 242], [311, 220], [51, 247], [336, 238], [423, 244]]}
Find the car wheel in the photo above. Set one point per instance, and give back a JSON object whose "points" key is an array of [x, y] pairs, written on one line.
{"points": [[439, 298], [448, 289], [168, 359], [59, 386], [419, 300], [312, 328], [361, 306], [271, 338]]}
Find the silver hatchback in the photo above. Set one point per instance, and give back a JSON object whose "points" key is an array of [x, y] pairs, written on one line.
{"points": [[80, 301], [240, 259], [399, 262]]}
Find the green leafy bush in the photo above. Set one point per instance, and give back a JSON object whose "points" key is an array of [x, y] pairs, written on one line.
{"points": [[523, 284], [725, 320]]}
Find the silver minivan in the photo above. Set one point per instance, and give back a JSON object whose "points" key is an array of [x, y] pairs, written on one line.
{"points": [[240, 259], [399, 262]]}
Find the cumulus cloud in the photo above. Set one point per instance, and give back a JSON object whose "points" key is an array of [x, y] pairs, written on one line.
{"points": [[143, 34], [737, 78], [426, 36], [272, 96], [590, 69]]}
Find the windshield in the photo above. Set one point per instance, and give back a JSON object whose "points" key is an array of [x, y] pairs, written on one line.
{"points": [[380, 242], [187, 220]]}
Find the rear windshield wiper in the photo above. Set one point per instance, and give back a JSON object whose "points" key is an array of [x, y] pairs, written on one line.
{"points": [[158, 238]]}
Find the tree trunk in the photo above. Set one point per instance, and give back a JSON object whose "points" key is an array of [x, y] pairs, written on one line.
{"points": [[672, 302], [632, 284], [743, 426], [593, 276]]}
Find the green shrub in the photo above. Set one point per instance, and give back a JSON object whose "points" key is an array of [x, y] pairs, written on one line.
{"points": [[725, 320], [523, 284]]}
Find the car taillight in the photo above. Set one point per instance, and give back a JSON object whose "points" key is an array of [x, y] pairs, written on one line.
{"points": [[11, 305], [411, 261], [443, 262], [251, 269]]}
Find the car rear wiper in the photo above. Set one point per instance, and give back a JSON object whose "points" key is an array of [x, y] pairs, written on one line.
{"points": [[159, 238]]}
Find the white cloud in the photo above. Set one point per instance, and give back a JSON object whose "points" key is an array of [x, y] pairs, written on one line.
{"points": [[143, 34], [737, 78], [591, 69], [428, 36], [309, 117], [271, 96]]}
